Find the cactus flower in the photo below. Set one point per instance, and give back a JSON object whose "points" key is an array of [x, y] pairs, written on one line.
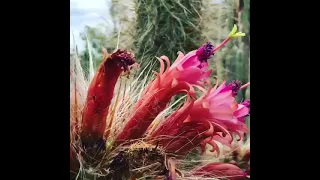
{"points": [[186, 71], [100, 92], [209, 119]]}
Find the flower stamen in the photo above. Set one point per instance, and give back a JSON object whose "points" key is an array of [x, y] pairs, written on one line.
{"points": [[232, 34], [205, 52]]}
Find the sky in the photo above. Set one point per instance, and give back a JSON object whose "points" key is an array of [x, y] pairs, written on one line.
{"points": [[87, 12]]}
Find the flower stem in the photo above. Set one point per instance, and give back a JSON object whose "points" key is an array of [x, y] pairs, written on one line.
{"points": [[244, 86], [222, 44]]}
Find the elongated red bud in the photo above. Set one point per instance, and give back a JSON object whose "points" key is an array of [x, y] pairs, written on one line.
{"points": [[101, 90]]}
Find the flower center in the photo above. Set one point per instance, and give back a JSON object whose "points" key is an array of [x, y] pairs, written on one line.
{"points": [[235, 87], [123, 58], [205, 52]]}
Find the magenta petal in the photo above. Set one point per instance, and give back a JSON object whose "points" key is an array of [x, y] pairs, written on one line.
{"points": [[188, 60], [221, 110], [241, 111], [225, 102], [242, 119], [190, 75], [222, 116], [206, 74], [191, 62], [221, 96], [178, 61], [215, 92]]}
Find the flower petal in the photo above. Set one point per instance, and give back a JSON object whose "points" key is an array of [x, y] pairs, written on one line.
{"points": [[190, 75], [241, 111], [220, 170]]}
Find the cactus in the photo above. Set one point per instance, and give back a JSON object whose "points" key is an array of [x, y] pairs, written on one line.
{"points": [[124, 23], [237, 60], [165, 27], [244, 25], [217, 21]]}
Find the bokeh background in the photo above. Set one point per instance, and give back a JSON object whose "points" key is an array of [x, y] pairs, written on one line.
{"points": [[152, 28]]}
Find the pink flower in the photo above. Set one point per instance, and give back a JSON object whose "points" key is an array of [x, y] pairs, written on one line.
{"points": [[213, 117], [185, 71], [220, 170], [220, 107], [193, 66]]}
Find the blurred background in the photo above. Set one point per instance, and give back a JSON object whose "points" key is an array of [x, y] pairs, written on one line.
{"points": [[152, 28]]}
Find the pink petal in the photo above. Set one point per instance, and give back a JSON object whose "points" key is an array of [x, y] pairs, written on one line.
{"points": [[241, 111], [191, 62], [206, 74], [177, 61], [221, 96], [221, 110], [215, 92], [191, 56], [191, 75], [222, 140], [161, 65], [167, 61], [215, 147], [221, 116], [225, 102]]}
